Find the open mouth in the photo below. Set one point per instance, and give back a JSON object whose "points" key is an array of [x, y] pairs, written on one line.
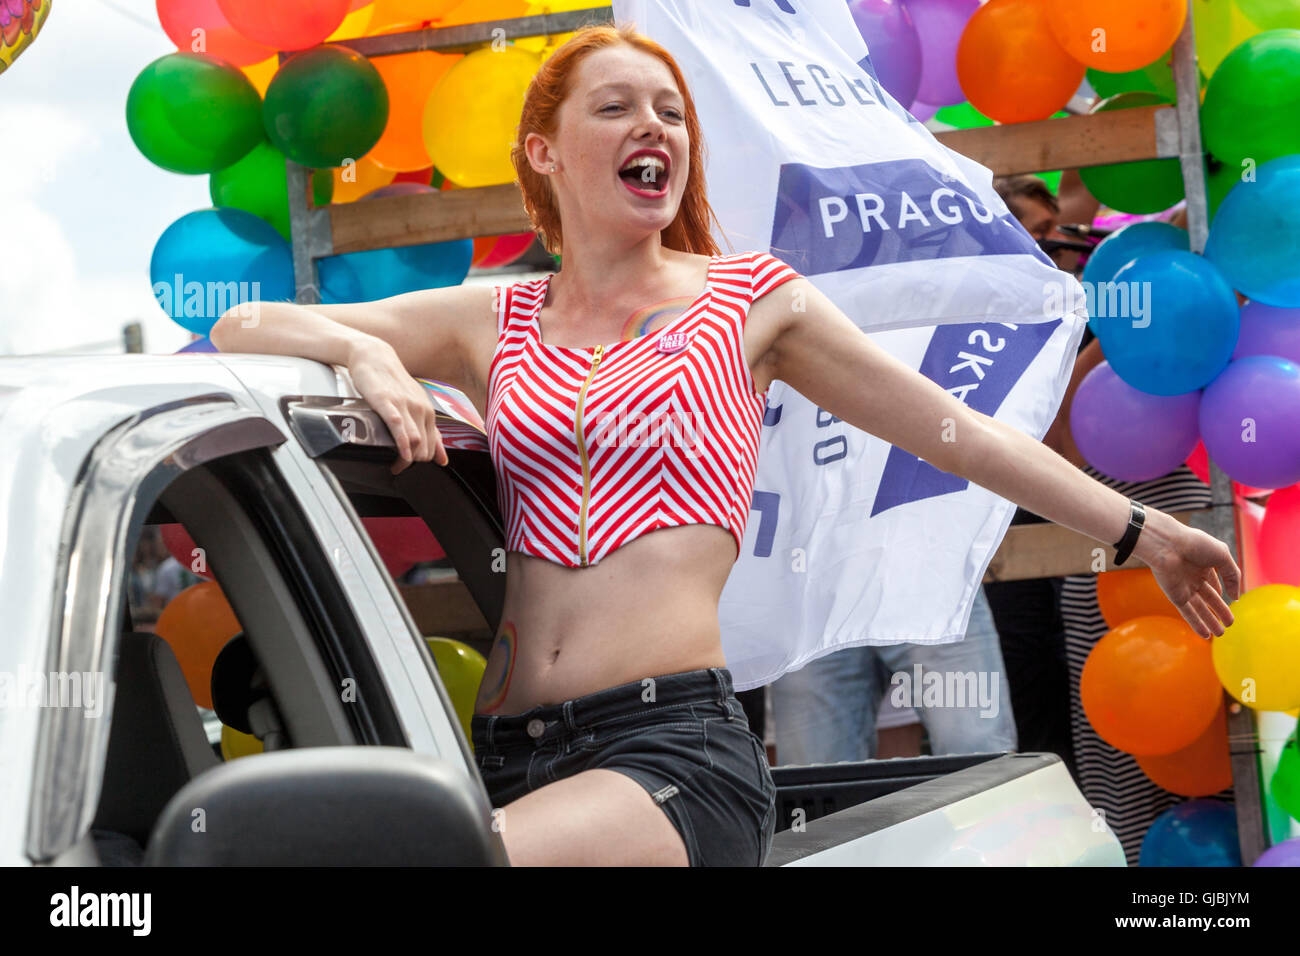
{"points": [[646, 175]]}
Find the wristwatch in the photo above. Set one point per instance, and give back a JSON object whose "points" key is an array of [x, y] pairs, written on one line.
{"points": [[1136, 519]]}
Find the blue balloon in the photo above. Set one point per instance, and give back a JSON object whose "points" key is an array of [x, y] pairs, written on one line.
{"points": [[1255, 237], [1167, 322], [380, 273], [1122, 247], [211, 260], [1195, 833], [199, 345]]}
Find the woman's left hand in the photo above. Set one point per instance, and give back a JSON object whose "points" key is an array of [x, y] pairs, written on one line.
{"points": [[1188, 565]]}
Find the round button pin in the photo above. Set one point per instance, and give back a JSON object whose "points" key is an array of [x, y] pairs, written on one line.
{"points": [[536, 728]]}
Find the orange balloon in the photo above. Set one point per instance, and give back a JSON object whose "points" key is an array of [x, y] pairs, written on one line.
{"points": [[1116, 36], [1149, 686], [197, 623], [261, 74], [479, 11], [1196, 771], [1124, 595], [410, 78], [417, 11], [354, 181], [1010, 67], [482, 246]]}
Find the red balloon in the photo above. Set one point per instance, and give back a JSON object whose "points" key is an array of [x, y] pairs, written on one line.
{"points": [[182, 19], [422, 176], [286, 24], [1199, 462], [402, 543], [182, 547], [507, 250], [483, 246], [1279, 537]]}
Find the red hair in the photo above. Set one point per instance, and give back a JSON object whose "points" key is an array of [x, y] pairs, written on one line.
{"points": [[689, 231]]}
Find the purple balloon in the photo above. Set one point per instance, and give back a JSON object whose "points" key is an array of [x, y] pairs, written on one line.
{"points": [[1129, 434], [893, 45], [939, 24], [399, 189], [1248, 420], [1268, 330], [923, 111], [1286, 853]]}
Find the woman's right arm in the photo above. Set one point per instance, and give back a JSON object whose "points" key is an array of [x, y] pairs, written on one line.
{"points": [[441, 334]]}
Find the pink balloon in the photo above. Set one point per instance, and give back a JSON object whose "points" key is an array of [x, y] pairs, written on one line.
{"points": [[1279, 558], [939, 24], [181, 19]]}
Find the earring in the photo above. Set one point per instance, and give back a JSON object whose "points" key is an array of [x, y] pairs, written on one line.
{"points": [[552, 167]]}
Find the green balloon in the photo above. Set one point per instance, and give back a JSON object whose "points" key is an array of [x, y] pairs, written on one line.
{"points": [[1053, 180], [192, 113], [1219, 180], [1149, 186], [325, 106], [257, 184], [1272, 14], [1252, 105], [962, 116], [1285, 786]]}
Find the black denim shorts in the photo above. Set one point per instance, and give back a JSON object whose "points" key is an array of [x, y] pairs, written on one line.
{"points": [[683, 737]]}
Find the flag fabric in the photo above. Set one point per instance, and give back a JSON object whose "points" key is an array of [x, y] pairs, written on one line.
{"points": [[852, 541]]}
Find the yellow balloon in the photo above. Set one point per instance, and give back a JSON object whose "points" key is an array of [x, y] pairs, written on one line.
{"points": [[353, 181], [1220, 28], [355, 24], [461, 669], [473, 113], [236, 744], [261, 74], [546, 45], [1258, 657]]}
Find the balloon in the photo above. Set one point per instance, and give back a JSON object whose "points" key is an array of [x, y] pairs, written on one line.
{"points": [[1156, 77], [198, 346], [1266, 330], [962, 116], [892, 44], [1195, 833], [197, 623], [181, 546], [1199, 462], [358, 22], [1129, 434], [1279, 557], [261, 74], [418, 10], [258, 184], [1131, 592], [479, 11], [1148, 686], [470, 120], [199, 26], [1199, 770], [286, 24], [544, 46], [922, 111], [402, 543], [461, 669], [326, 106], [1248, 421], [352, 180], [1116, 35], [1183, 334], [1272, 14], [236, 744], [1258, 655], [192, 113], [1284, 787], [1143, 187], [1286, 853], [1221, 27], [1010, 67], [214, 259], [1120, 248], [507, 249], [1255, 240], [939, 25], [1252, 104], [409, 79]]}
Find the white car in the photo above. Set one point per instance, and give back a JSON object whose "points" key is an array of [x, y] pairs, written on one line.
{"points": [[269, 464]]}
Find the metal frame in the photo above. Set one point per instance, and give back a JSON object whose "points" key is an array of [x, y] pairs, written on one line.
{"points": [[1177, 133]]}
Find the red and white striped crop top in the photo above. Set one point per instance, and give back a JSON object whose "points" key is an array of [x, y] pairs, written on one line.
{"points": [[594, 447]]}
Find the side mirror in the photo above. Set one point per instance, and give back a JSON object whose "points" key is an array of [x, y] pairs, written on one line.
{"points": [[328, 806]]}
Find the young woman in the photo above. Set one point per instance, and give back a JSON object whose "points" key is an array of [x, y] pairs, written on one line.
{"points": [[606, 726]]}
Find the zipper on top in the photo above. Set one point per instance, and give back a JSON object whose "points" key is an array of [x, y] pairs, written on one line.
{"points": [[586, 463]]}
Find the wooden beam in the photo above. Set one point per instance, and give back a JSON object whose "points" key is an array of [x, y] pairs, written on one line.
{"points": [[429, 217], [1120, 136]]}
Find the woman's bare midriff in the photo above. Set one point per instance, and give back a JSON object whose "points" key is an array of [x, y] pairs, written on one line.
{"points": [[646, 609]]}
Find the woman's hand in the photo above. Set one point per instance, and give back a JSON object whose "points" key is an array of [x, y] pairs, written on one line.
{"points": [[1185, 563], [386, 385]]}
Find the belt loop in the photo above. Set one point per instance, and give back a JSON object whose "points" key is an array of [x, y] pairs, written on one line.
{"points": [[491, 725], [721, 684], [569, 722]]}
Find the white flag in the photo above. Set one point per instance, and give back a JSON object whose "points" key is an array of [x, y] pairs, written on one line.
{"points": [[852, 541]]}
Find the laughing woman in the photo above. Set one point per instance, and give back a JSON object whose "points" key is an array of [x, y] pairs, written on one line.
{"points": [[606, 725]]}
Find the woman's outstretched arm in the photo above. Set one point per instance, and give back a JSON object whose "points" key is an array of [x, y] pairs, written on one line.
{"points": [[806, 341]]}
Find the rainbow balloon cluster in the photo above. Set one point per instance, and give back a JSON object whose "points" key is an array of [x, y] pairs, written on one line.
{"points": [[224, 105]]}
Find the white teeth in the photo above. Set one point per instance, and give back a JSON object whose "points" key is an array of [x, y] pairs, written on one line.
{"points": [[647, 161]]}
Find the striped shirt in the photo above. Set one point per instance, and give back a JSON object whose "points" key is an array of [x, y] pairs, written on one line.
{"points": [[594, 447]]}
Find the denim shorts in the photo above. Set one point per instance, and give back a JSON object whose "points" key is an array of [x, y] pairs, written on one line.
{"points": [[683, 737]]}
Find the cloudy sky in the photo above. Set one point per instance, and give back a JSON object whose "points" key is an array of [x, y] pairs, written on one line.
{"points": [[81, 207]]}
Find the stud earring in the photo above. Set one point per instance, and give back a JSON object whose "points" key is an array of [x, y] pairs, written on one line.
{"points": [[552, 167]]}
